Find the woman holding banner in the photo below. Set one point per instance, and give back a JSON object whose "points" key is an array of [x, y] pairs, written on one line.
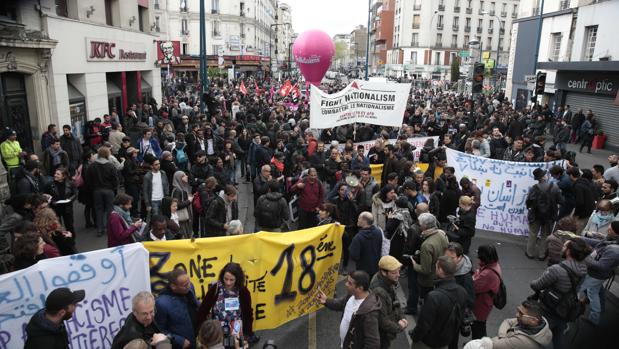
{"points": [[228, 300]]}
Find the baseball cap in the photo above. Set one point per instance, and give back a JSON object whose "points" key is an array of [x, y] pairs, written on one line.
{"points": [[389, 263], [62, 297]]}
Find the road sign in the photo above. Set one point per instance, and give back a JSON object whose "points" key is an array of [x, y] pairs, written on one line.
{"points": [[464, 54], [485, 55], [529, 78]]}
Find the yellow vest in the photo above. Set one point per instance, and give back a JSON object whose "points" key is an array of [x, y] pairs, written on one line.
{"points": [[10, 153]]}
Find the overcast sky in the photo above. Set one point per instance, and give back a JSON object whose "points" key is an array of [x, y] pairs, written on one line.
{"points": [[331, 16]]}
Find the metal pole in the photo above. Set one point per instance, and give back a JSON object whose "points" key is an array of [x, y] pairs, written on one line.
{"points": [[539, 36], [270, 49], [203, 61], [367, 44], [498, 53]]}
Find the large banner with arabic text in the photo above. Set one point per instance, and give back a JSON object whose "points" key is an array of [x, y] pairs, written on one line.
{"points": [[504, 187], [283, 270], [110, 277]]}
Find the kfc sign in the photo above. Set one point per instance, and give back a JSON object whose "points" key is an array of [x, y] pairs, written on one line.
{"points": [[98, 50], [168, 52]]}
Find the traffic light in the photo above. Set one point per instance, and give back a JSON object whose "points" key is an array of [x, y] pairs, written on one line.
{"points": [[478, 77], [540, 83]]}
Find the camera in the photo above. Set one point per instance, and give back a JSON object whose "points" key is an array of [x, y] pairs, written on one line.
{"points": [[229, 338]]}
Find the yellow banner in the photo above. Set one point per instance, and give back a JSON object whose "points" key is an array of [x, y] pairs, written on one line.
{"points": [[283, 270], [377, 170]]}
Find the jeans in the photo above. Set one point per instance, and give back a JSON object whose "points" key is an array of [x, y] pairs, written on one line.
{"points": [[155, 208], [104, 199], [594, 290], [537, 248], [65, 213], [413, 292]]}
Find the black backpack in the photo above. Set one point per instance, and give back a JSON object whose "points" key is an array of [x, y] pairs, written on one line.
{"points": [[267, 213], [566, 305], [499, 299], [545, 205], [454, 321]]}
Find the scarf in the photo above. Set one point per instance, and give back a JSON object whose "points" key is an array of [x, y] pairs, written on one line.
{"points": [[178, 184], [56, 160], [600, 220], [124, 214]]}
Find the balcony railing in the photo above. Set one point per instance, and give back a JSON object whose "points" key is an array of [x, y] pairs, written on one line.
{"points": [[504, 14], [480, 29], [490, 30], [184, 9], [481, 11], [438, 45], [242, 14], [492, 12], [216, 33], [441, 7], [455, 27], [514, 15], [467, 29], [439, 26], [416, 25], [416, 7], [469, 11], [184, 32], [214, 11], [502, 31], [456, 9], [454, 45], [414, 43]]}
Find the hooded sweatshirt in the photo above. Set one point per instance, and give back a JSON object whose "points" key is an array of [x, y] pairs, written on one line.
{"points": [[42, 333], [512, 335], [102, 175], [365, 249], [464, 278]]}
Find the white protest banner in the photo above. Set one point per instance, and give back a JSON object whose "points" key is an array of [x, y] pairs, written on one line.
{"points": [[361, 101], [504, 187], [418, 142], [110, 278]]}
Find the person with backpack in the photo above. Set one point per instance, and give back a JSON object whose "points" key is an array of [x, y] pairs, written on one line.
{"points": [[271, 209], [487, 283], [542, 203], [181, 158], [557, 288], [584, 197], [442, 313]]}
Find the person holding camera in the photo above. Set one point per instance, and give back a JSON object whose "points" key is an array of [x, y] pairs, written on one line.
{"points": [[383, 284], [228, 300], [211, 336], [462, 227], [560, 282], [440, 317]]}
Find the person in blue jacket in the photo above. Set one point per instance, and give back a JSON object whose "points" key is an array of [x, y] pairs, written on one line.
{"points": [[148, 145], [177, 309], [365, 248]]}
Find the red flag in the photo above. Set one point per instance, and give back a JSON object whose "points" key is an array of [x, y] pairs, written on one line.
{"points": [[243, 89], [295, 94], [257, 89], [285, 90]]}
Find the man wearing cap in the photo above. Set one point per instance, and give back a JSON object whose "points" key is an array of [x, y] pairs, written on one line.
{"points": [[46, 327], [542, 205], [11, 152], [384, 284]]}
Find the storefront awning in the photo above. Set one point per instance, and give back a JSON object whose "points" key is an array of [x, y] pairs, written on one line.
{"points": [[146, 86], [74, 94], [113, 90]]}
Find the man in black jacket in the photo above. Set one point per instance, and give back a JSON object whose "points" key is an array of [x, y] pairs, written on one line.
{"points": [[140, 324], [200, 169], [543, 200], [46, 327], [436, 326], [220, 212], [584, 197], [72, 147]]}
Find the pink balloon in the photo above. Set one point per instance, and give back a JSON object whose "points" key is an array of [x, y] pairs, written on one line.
{"points": [[313, 51]]}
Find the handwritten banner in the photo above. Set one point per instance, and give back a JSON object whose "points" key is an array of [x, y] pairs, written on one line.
{"points": [[361, 101], [418, 142], [504, 187], [110, 277], [283, 270]]}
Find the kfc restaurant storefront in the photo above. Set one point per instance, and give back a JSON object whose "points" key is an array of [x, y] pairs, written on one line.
{"points": [[99, 69]]}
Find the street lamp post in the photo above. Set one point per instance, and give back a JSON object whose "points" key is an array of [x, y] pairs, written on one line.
{"points": [[203, 60], [367, 46], [498, 52], [289, 60], [271, 46]]}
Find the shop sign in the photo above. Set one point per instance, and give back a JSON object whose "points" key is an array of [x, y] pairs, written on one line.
{"points": [[598, 84], [168, 52], [103, 50]]}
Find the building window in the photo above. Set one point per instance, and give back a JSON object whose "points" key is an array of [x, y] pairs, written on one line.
{"points": [[416, 21], [215, 49], [142, 17], [489, 43], [157, 28], [439, 40], [591, 33], [216, 31], [440, 21], [156, 4], [62, 9], [112, 12], [456, 21], [515, 10], [480, 23], [185, 49], [415, 41], [481, 6], [454, 41], [466, 40], [468, 22], [214, 6], [492, 7], [437, 58], [414, 57], [501, 44], [184, 29]]}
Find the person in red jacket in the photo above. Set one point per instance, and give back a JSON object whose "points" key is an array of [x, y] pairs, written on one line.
{"points": [[486, 282], [311, 195], [228, 300], [120, 225]]}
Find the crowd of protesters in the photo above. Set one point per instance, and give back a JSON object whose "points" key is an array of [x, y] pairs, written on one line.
{"points": [[172, 171]]}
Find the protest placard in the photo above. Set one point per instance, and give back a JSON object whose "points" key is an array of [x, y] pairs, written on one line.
{"points": [[418, 142], [504, 187], [361, 101], [109, 277], [283, 271]]}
